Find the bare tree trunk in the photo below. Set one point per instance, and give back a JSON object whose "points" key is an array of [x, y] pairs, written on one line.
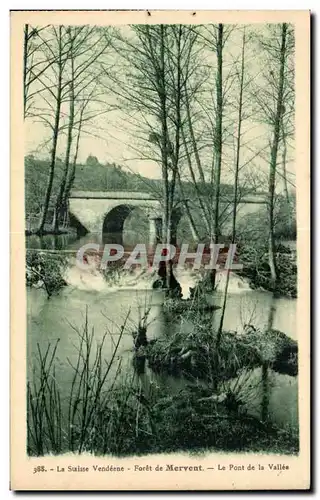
{"points": [[273, 158], [62, 187], [54, 140], [60, 198], [265, 371], [218, 134], [164, 140], [194, 143], [175, 152], [72, 170], [236, 182], [195, 233], [217, 143], [284, 162], [194, 180]]}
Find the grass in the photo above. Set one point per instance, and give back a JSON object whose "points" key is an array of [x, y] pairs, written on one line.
{"points": [[74, 425], [44, 417], [109, 410], [194, 355]]}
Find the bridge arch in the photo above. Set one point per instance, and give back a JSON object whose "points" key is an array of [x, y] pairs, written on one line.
{"points": [[113, 223], [114, 219]]}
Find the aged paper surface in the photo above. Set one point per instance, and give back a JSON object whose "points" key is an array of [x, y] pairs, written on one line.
{"points": [[101, 91]]}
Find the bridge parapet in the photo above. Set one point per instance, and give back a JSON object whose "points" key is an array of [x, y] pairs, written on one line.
{"points": [[138, 195], [113, 195]]}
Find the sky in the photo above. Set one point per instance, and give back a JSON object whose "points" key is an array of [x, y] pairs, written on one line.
{"points": [[112, 139]]}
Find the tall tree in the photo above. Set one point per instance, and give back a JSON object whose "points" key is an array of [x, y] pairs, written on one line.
{"points": [[57, 98], [157, 65], [64, 95], [61, 189], [274, 154], [273, 98], [236, 177], [87, 47], [218, 132]]}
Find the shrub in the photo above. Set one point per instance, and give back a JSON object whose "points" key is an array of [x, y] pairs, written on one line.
{"points": [[45, 270], [256, 269]]}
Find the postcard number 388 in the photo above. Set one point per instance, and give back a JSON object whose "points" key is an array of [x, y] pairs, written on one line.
{"points": [[39, 468]]}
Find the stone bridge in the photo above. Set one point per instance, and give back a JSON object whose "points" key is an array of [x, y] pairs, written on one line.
{"points": [[106, 211]]}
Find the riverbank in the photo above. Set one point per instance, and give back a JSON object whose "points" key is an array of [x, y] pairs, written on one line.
{"points": [[197, 355], [257, 271], [178, 395], [102, 409]]}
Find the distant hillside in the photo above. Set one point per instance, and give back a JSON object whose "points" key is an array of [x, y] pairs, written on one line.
{"points": [[91, 176], [112, 177]]}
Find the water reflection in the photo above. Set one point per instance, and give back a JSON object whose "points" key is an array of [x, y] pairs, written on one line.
{"points": [[265, 369], [127, 238], [255, 308], [51, 241], [48, 320], [51, 319]]}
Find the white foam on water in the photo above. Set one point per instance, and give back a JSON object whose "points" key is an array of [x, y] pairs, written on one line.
{"points": [[236, 283], [187, 279], [92, 278], [85, 280]]}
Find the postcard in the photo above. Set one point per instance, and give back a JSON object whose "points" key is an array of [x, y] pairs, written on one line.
{"points": [[160, 250]]}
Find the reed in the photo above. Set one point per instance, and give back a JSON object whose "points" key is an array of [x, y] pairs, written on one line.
{"points": [[89, 418], [110, 410]]}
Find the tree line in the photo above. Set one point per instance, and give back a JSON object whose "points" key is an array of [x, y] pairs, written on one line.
{"points": [[210, 104]]}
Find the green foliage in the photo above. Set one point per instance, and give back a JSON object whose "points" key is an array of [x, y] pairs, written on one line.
{"points": [[285, 219], [45, 270], [254, 258], [36, 175]]}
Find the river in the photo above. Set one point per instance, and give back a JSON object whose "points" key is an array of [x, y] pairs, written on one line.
{"points": [[63, 316]]}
